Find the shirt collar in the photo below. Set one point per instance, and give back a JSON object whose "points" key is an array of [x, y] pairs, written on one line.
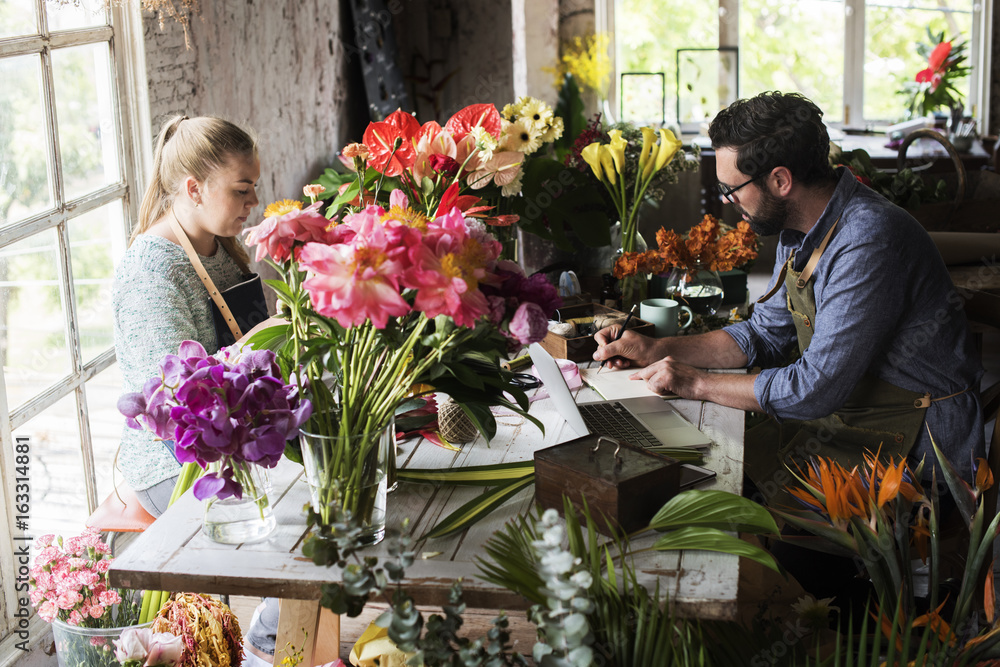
{"points": [[804, 244]]}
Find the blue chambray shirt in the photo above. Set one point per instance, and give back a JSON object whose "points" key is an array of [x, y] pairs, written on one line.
{"points": [[885, 305]]}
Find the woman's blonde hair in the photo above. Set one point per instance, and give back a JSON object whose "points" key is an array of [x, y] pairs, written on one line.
{"points": [[194, 147]]}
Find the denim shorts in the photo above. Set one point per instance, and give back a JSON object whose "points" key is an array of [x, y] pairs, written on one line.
{"points": [[156, 498]]}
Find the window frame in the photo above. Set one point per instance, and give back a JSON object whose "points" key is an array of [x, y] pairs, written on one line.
{"points": [[130, 101], [854, 40]]}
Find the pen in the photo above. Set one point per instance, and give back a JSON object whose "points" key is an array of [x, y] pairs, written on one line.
{"points": [[621, 331]]}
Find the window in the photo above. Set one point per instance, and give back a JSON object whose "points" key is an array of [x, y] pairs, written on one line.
{"points": [[849, 56], [68, 184]]}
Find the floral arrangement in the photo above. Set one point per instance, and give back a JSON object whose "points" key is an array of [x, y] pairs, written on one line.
{"points": [[232, 409], [585, 59], [69, 582], [879, 513], [386, 299], [209, 631], [935, 86], [705, 244], [141, 647]]}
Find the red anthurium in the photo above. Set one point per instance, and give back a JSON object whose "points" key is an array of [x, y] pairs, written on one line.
{"points": [[385, 156], [939, 56], [465, 203], [474, 115], [408, 126], [924, 75]]}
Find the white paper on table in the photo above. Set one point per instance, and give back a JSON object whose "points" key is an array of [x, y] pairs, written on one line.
{"points": [[613, 384]]}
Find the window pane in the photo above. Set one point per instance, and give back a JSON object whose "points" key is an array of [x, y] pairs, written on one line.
{"points": [[97, 241], [892, 30], [86, 119], [647, 37], [24, 168], [58, 494], [31, 317], [105, 427], [17, 17], [794, 46], [66, 16]]}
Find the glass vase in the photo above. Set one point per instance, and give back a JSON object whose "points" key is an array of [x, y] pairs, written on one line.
{"points": [[241, 520], [635, 288], [699, 288], [348, 472], [87, 647]]}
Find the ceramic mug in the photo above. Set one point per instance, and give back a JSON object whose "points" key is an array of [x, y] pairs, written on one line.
{"points": [[663, 314]]}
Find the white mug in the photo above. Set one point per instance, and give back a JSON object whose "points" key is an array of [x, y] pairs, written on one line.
{"points": [[663, 314]]}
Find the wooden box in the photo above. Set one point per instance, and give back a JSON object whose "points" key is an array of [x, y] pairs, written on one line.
{"points": [[582, 348], [624, 485]]}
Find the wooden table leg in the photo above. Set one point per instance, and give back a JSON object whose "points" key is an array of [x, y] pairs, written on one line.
{"points": [[304, 624]]}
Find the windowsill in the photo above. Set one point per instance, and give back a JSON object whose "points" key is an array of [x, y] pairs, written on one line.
{"points": [[39, 632]]}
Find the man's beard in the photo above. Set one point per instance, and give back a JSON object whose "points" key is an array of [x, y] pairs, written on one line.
{"points": [[770, 217]]}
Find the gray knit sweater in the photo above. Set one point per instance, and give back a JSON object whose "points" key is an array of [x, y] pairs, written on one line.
{"points": [[159, 302]]}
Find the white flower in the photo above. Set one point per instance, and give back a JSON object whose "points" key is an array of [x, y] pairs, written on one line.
{"points": [[513, 187], [485, 142], [536, 113], [554, 131], [522, 137]]}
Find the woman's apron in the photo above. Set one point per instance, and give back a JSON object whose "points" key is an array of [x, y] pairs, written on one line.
{"points": [[877, 414]]}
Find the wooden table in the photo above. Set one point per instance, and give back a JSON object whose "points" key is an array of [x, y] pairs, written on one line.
{"points": [[174, 555]]}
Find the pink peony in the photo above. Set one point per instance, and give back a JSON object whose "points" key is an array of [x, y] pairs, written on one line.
{"points": [[529, 324], [357, 281], [276, 236]]}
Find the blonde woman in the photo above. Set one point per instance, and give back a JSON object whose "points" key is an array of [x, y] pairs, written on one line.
{"points": [[203, 187]]}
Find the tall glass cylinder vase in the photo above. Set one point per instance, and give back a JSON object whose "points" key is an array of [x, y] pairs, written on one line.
{"points": [[632, 288], [699, 288], [91, 647], [349, 473], [241, 520]]}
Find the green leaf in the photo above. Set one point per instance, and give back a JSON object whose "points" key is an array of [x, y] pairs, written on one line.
{"points": [[488, 475], [271, 338], [710, 539], [477, 508], [714, 509]]}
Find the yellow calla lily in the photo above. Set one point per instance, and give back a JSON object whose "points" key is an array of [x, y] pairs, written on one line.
{"points": [[608, 162], [617, 149], [648, 143], [669, 145], [591, 155]]}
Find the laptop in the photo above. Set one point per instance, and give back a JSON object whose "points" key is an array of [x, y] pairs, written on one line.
{"points": [[645, 422]]}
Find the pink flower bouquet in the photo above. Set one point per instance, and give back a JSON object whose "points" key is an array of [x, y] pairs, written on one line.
{"points": [[387, 299]]}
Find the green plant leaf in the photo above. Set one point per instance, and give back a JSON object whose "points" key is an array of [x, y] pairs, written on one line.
{"points": [[477, 508], [711, 539], [714, 509], [271, 338], [488, 475]]}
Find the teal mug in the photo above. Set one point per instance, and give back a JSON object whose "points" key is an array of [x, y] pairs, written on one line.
{"points": [[664, 315]]}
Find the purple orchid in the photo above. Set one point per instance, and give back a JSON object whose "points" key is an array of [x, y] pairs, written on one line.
{"points": [[232, 408]]}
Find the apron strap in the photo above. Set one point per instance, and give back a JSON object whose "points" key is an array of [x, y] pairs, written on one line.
{"points": [[814, 258], [206, 279], [926, 400], [806, 272]]}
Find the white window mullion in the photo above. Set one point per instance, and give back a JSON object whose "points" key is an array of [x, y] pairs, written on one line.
{"points": [[52, 123], [854, 62]]}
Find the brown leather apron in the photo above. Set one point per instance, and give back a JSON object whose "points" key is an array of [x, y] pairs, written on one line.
{"points": [[876, 414]]}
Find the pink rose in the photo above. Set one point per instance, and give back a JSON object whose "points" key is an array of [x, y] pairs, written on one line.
{"points": [[164, 649]]}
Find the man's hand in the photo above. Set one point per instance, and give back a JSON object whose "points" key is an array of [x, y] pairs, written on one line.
{"points": [[632, 350], [668, 376]]}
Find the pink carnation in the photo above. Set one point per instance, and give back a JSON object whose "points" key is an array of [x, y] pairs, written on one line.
{"points": [[69, 599], [48, 611], [103, 565], [108, 598], [44, 541], [276, 236], [75, 618], [96, 611], [46, 556]]}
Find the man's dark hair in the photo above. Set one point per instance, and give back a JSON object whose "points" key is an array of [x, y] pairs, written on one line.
{"points": [[775, 130]]}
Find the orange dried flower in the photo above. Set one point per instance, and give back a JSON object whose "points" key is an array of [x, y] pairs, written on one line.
{"points": [[703, 243]]}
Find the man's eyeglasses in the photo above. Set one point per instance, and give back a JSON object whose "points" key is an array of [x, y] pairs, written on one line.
{"points": [[728, 192]]}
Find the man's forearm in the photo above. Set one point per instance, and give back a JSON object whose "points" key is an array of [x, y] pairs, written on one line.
{"points": [[715, 349]]}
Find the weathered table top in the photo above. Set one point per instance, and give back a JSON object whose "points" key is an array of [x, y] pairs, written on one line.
{"points": [[174, 555]]}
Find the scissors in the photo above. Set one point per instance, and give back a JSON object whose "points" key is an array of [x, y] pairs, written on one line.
{"points": [[525, 381]]}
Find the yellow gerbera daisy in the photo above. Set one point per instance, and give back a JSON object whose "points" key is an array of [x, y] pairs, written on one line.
{"points": [[281, 207], [521, 136], [537, 113], [554, 131]]}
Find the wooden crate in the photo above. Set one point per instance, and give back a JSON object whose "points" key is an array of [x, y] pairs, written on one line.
{"points": [[623, 487], [582, 348]]}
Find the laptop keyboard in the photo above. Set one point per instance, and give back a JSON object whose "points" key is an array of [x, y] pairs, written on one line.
{"points": [[612, 419]]}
